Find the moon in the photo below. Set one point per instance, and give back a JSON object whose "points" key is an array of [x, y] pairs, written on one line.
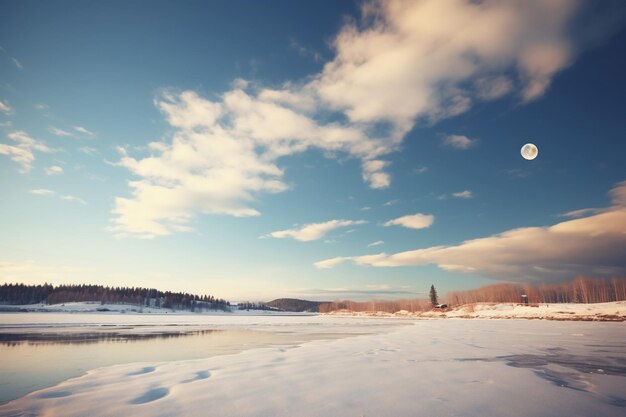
{"points": [[529, 151]]}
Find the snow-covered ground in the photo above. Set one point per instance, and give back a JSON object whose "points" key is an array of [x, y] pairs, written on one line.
{"points": [[401, 368], [97, 307], [614, 311]]}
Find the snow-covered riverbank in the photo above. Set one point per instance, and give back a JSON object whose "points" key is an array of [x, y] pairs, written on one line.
{"points": [[614, 311]]}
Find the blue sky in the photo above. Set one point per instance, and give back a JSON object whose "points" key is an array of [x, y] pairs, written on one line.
{"points": [[319, 150]]}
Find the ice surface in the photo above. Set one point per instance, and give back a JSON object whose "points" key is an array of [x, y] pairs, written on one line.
{"points": [[424, 368]]}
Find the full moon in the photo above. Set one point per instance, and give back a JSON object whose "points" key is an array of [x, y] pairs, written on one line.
{"points": [[529, 151]]}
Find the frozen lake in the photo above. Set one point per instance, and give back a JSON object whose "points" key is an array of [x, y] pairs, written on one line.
{"points": [[38, 350], [312, 366]]}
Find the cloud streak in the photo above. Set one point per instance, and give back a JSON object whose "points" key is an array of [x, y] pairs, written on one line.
{"points": [[24, 151], [412, 221], [313, 231], [463, 194], [51, 193], [5, 108], [590, 245], [458, 142], [53, 170]]}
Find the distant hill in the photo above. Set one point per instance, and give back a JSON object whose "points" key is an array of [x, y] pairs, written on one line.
{"points": [[295, 305]]}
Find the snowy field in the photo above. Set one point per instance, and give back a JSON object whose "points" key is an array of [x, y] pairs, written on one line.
{"points": [[401, 367], [613, 311]]}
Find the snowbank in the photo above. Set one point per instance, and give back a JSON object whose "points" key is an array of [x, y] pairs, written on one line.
{"points": [[614, 311]]}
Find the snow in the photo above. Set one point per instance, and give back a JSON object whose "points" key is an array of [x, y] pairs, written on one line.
{"points": [[613, 311], [98, 307], [402, 367]]}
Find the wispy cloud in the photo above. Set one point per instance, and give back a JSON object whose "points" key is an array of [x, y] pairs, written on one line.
{"points": [[413, 221], [463, 194], [377, 243], [87, 150], [42, 191], [60, 132], [330, 263], [4, 107], [41, 106], [420, 170], [581, 212], [458, 142], [73, 199], [83, 130], [51, 193], [313, 231], [590, 245], [391, 203], [53, 170], [23, 152], [390, 69], [304, 51], [368, 292], [17, 63]]}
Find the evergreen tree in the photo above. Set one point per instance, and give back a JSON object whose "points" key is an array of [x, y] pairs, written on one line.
{"points": [[433, 296]]}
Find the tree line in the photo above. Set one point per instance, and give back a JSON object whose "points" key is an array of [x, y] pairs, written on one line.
{"points": [[580, 290], [149, 297]]}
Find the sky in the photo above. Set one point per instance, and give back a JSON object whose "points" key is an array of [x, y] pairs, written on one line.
{"points": [[321, 149]]}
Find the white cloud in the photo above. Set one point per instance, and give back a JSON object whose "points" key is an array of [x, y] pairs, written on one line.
{"points": [[366, 293], [222, 156], [4, 107], [391, 203], [458, 142], [89, 150], [313, 231], [22, 153], [374, 175], [54, 170], [404, 61], [592, 245], [377, 243], [60, 132], [413, 221], [51, 193], [73, 199], [83, 130], [329, 263], [17, 63], [42, 191], [41, 106], [420, 170], [463, 194]]}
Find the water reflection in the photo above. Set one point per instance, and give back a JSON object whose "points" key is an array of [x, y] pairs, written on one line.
{"points": [[38, 359], [17, 339]]}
